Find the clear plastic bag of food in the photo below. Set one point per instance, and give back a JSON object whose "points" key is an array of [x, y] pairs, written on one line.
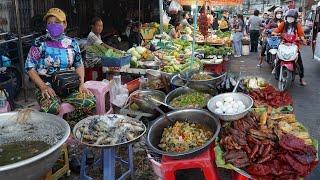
{"points": [[118, 92]]}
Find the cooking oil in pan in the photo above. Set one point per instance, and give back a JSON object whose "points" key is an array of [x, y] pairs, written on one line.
{"points": [[20, 150]]}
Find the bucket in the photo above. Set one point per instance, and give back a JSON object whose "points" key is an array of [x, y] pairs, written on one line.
{"points": [[245, 50]]}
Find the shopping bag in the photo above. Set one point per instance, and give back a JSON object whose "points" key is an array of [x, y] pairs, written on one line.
{"points": [[316, 55], [175, 7], [166, 18]]}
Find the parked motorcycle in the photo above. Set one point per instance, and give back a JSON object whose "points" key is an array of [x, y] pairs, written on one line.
{"points": [[286, 62], [273, 43], [7, 69]]}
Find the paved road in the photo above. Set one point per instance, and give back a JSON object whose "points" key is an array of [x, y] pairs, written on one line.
{"points": [[306, 99]]}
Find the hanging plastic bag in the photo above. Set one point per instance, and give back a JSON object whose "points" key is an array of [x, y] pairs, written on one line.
{"points": [[175, 7], [316, 55], [118, 93], [166, 18]]}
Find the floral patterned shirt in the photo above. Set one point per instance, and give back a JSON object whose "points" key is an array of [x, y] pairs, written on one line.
{"points": [[48, 55]]}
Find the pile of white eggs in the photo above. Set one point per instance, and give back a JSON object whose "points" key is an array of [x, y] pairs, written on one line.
{"points": [[229, 106]]}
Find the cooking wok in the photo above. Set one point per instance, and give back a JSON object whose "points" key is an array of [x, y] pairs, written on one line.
{"points": [[196, 116], [39, 127]]}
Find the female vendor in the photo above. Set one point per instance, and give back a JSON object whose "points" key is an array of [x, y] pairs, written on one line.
{"points": [[52, 53]]}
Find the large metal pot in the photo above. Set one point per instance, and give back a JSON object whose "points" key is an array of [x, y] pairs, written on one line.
{"points": [[190, 115], [45, 127]]}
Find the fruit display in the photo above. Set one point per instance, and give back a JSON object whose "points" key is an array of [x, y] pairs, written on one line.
{"points": [[210, 51]]}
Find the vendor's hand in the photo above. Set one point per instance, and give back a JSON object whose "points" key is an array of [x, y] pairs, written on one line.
{"points": [[47, 92], [83, 89]]}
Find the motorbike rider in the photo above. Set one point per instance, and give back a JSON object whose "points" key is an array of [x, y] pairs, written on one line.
{"points": [[273, 23], [291, 26]]}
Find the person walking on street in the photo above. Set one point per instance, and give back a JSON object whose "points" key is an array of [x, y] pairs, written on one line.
{"points": [[238, 34], [255, 22]]}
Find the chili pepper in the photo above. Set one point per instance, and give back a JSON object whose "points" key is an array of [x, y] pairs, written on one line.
{"points": [[261, 149], [247, 149], [254, 151], [266, 150], [264, 159]]}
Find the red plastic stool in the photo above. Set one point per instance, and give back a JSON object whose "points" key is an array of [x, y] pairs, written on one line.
{"points": [[203, 161], [89, 74], [237, 176]]}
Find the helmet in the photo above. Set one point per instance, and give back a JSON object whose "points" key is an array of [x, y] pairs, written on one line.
{"points": [[292, 13], [278, 10]]}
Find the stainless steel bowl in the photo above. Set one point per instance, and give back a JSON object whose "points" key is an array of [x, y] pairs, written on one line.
{"points": [[176, 93], [143, 105], [176, 81], [152, 65], [47, 127], [246, 99], [196, 116], [203, 84]]}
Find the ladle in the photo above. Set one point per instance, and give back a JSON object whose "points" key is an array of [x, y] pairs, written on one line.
{"points": [[148, 101]]}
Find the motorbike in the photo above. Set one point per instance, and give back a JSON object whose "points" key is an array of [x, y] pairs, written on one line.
{"points": [[9, 64], [273, 43], [286, 63]]}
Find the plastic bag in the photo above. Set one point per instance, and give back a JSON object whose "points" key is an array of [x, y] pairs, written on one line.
{"points": [[118, 93], [175, 7], [166, 18], [317, 49]]}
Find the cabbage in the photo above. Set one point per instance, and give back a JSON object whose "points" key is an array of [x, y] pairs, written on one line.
{"points": [[141, 50], [131, 49], [136, 54]]}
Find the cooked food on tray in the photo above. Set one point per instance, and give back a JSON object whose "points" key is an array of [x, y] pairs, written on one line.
{"points": [[191, 100], [184, 136], [109, 130]]}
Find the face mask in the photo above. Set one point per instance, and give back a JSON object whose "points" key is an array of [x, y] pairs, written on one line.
{"points": [[290, 19], [278, 16], [55, 29]]}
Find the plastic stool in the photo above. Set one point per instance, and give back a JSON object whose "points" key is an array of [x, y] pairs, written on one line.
{"points": [[203, 161], [237, 176], [65, 108], [89, 74], [108, 159], [99, 90], [64, 162], [5, 108]]}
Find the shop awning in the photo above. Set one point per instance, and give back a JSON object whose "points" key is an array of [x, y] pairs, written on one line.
{"points": [[211, 2]]}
